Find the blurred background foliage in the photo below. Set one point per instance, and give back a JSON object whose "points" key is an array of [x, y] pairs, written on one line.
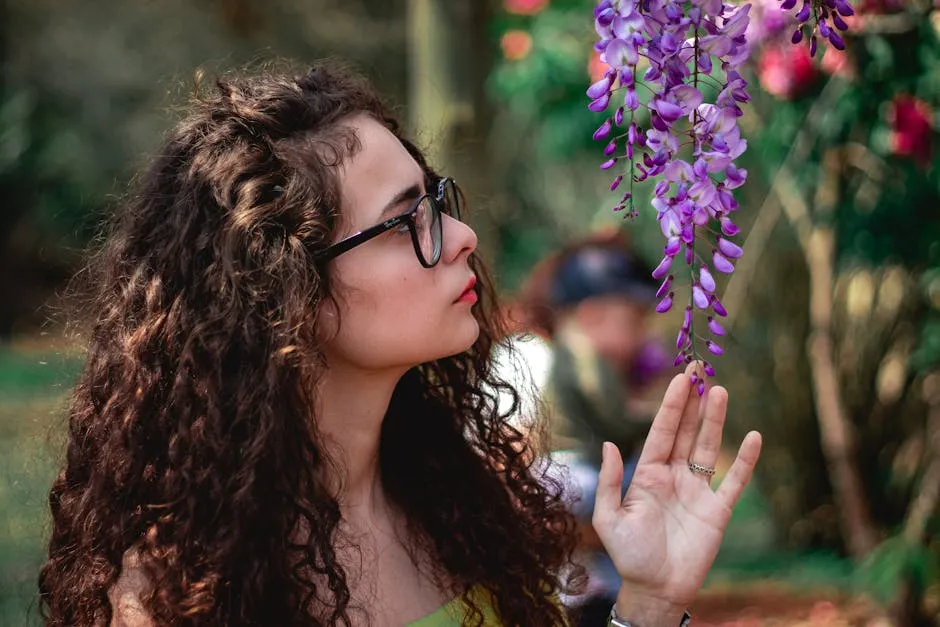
{"points": [[835, 308]]}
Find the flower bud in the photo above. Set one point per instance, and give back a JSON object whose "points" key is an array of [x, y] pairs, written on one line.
{"points": [[721, 263], [603, 130], [663, 268], [718, 308], [706, 279], [699, 297], [665, 304], [729, 248], [715, 327], [664, 288]]}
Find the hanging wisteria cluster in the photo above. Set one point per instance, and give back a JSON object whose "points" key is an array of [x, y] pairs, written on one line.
{"points": [[665, 56], [820, 12]]}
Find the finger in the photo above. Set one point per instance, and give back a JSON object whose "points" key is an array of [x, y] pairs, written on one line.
{"points": [[708, 444], [689, 423], [609, 484], [662, 435], [740, 473]]}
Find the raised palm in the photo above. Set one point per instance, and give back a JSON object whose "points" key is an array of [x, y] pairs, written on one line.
{"points": [[664, 535]]}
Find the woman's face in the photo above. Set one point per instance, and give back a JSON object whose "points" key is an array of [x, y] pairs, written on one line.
{"points": [[393, 312]]}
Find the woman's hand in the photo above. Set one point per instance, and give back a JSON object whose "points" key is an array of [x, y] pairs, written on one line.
{"points": [[664, 535]]}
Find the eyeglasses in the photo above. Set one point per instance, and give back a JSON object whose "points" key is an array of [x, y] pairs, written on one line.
{"points": [[423, 221]]}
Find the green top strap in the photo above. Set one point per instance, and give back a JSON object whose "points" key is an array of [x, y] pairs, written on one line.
{"points": [[452, 614]]}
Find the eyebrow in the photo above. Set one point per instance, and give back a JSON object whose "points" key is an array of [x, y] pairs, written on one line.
{"points": [[409, 193]]}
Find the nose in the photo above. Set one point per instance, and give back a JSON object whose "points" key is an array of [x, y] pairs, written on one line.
{"points": [[459, 239]]}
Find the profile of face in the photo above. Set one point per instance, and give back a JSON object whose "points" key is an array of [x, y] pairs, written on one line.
{"points": [[616, 326], [393, 312]]}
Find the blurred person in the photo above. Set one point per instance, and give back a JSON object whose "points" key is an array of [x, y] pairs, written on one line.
{"points": [[588, 306], [606, 368], [284, 415]]}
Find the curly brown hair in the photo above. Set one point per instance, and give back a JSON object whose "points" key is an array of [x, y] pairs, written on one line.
{"points": [[190, 432]]}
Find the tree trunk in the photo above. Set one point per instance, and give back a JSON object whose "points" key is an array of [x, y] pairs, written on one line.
{"points": [[836, 432]]}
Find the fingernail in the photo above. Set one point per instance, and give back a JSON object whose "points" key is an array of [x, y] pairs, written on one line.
{"points": [[604, 448]]}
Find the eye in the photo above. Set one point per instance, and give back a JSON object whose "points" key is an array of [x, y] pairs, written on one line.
{"points": [[402, 228]]}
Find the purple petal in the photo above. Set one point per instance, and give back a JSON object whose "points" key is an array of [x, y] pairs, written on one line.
{"points": [[664, 288], [599, 88], [706, 279], [718, 307], [729, 248], [797, 36], [728, 227], [600, 104], [680, 357], [721, 263], [715, 327], [663, 268], [616, 182], [786, 5], [713, 348], [804, 12], [687, 321], [668, 111], [672, 247], [813, 45], [700, 388], [689, 255], [699, 297], [603, 130], [682, 338], [705, 63], [608, 164], [844, 8], [665, 304], [618, 116], [610, 148], [709, 369], [631, 100], [836, 40], [668, 44]]}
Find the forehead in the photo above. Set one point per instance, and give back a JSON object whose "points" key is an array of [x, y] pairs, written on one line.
{"points": [[376, 173]]}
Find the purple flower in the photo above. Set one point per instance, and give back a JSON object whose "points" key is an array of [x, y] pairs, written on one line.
{"points": [[692, 165]]}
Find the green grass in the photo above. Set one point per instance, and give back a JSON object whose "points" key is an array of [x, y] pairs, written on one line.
{"points": [[32, 392]]}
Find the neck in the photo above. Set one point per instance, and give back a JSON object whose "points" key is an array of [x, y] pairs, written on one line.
{"points": [[351, 407]]}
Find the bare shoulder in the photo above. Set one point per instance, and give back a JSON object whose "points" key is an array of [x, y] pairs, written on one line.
{"points": [[126, 607]]}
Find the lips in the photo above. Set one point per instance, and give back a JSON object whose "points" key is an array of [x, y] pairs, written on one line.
{"points": [[469, 292]]}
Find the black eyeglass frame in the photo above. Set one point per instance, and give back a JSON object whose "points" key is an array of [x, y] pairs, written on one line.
{"points": [[438, 206]]}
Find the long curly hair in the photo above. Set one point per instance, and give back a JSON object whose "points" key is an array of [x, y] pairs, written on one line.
{"points": [[190, 433]]}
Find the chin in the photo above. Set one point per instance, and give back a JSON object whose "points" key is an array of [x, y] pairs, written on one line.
{"points": [[462, 337]]}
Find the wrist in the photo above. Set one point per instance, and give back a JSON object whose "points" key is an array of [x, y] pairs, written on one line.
{"points": [[644, 610]]}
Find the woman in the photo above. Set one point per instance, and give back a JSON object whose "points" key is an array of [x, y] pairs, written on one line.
{"points": [[287, 417]]}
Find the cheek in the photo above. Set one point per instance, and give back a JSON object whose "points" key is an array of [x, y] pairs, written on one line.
{"points": [[387, 319]]}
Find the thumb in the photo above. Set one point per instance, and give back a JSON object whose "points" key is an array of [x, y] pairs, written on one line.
{"points": [[609, 484]]}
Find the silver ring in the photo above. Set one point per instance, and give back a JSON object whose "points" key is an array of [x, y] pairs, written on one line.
{"points": [[701, 470]]}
